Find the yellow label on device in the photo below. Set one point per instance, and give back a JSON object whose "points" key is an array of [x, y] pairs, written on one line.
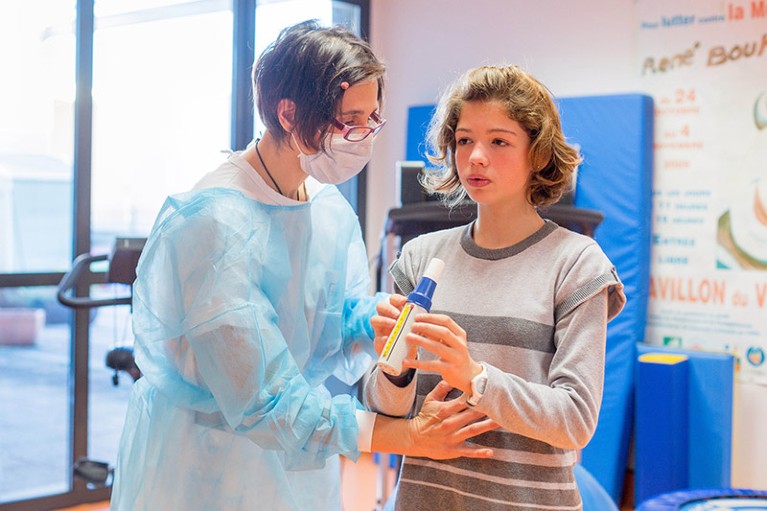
{"points": [[395, 333]]}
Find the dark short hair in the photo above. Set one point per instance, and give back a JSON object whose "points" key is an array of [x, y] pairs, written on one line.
{"points": [[526, 101], [307, 64]]}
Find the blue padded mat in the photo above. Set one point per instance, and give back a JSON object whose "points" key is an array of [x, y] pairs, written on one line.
{"points": [[661, 448], [715, 499], [710, 402], [615, 135]]}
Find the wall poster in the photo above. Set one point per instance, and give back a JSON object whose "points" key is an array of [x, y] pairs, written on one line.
{"points": [[705, 64]]}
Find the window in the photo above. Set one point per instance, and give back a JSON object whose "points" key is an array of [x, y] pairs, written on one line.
{"points": [[161, 107], [36, 127]]}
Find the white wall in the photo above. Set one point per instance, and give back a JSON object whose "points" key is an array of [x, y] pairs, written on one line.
{"points": [[575, 48]]}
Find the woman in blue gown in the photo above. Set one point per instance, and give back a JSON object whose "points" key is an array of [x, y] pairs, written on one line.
{"points": [[253, 289]]}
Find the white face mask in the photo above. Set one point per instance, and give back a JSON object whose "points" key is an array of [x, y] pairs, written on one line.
{"points": [[343, 161]]}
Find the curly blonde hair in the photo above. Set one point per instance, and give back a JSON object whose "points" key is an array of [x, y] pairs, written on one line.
{"points": [[528, 102]]}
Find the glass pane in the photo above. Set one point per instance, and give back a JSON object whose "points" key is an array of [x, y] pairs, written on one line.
{"points": [[36, 135], [348, 15], [34, 394], [105, 8], [162, 101], [274, 15]]}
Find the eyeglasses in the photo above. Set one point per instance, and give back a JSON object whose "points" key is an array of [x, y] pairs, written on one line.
{"points": [[360, 133]]}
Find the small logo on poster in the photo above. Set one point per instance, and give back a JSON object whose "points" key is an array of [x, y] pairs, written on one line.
{"points": [[755, 356]]}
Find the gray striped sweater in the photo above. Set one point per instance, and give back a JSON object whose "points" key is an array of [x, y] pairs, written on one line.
{"points": [[535, 315]]}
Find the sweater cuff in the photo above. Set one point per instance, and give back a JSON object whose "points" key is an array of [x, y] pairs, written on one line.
{"points": [[403, 380]]}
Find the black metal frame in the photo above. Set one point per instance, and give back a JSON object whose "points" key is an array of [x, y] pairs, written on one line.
{"points": [[241, 133]]}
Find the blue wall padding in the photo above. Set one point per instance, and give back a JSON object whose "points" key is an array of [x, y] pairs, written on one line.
{"points": [[712, 378], [615, 135], [660, 438]]}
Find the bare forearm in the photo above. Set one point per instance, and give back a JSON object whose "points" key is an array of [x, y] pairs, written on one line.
{"points": [[392, 435]]}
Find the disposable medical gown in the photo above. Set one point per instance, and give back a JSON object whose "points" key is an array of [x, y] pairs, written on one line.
{"points": [[241, 311]]}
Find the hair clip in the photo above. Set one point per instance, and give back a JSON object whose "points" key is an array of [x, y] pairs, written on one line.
{"points": [[344, 85]]}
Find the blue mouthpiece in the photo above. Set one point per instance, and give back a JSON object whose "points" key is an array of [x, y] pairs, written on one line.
{"points": [[423, 293]]}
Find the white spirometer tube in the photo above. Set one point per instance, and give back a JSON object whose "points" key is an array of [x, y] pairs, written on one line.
{"points": [[418, 301]]}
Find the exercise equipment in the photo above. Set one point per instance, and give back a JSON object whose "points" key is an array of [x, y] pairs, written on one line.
{"points": [[707, 433], [122, 270], [661, 449]]}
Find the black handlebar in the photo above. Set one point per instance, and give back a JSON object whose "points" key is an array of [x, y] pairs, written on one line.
{"points": [[71, 279]]}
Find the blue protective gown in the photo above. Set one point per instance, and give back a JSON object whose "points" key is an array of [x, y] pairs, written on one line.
{"points": [[241, 311]]}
